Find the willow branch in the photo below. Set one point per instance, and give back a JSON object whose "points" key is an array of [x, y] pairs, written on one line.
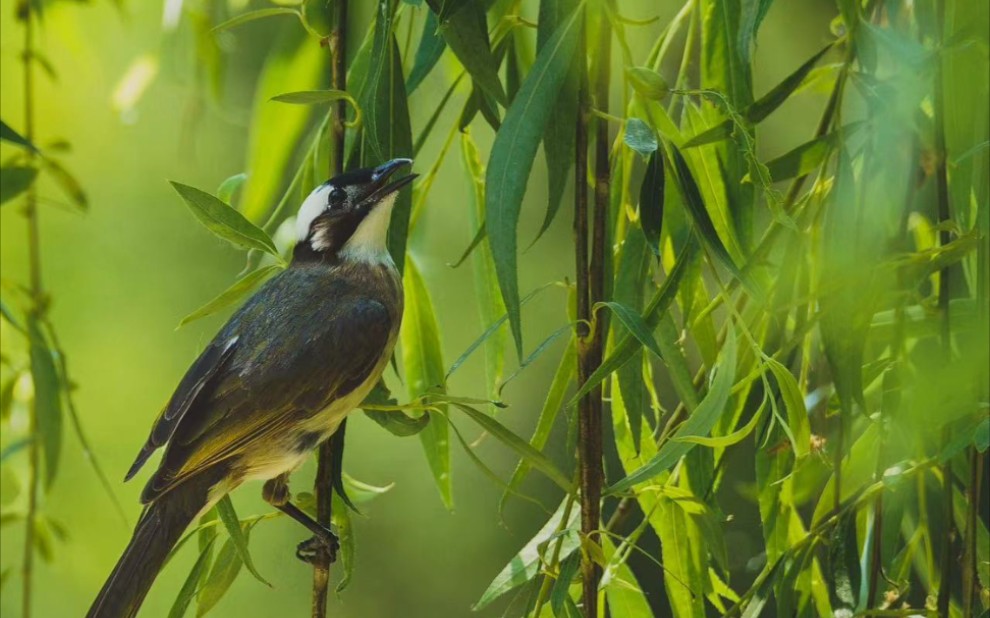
{"points": [[323, 489], [37, 308]]}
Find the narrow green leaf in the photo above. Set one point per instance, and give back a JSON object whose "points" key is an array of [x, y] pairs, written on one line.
{"points": [[728, 440], [535, 458], [702, 220], [558, 135], [315, 97], [548, 414], [14, 180], [647, 83], [561, 588], [764, 106], [660, 302], [492, 329], [11, 136], [67, 183], [47, 399], [225, 222], [525, 565], [797, 414], [751, 16], [651, 194], [466, 32], [225, 509], [431, 46], [240, 289], [512, 158], [225, 569], [227, 188], [635, 324], [294, 62], [341, 517], [539, 350], [640, 137], [387, 133], [250, 16], [700, 422], [422, 359], [842, 557], [188, 590]]}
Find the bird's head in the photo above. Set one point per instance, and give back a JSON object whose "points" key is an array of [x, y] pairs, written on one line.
{"points": [[347, 217]]}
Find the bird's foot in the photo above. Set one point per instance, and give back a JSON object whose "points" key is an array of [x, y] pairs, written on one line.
{"points": [[319, 549]]}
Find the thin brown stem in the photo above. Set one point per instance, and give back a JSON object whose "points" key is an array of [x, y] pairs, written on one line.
{"points": [[944, 216], [37, 309], [323, 489]]}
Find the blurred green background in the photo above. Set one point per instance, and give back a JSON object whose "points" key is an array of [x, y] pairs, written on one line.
{"points": [[124, 274]]}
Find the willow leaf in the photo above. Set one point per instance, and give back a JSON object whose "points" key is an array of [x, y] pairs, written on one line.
{"points": [[224, 221], [660, 302], [651, 204], [14, 180], [535, 458], [466, 32], [240, 288], [422, 359], [431, 46], [225, 509], [188, 590], [635, 324], [512, 158], [47, 399], [700, 422]]}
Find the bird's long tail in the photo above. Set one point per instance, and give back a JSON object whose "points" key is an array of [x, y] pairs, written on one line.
{"points": [[159, 529]]}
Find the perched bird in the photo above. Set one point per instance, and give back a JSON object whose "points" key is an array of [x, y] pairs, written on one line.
{"points": [[276, 381]]}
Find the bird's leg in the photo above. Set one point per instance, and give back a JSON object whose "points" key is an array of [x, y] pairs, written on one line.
{"points": [[276, 493]]}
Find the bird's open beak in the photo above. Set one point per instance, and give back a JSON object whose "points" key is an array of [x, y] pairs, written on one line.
{"points": [[380, 186]]}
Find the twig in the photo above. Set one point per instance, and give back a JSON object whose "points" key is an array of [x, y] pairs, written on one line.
{"points": [[37, 309], [944, 215], [323, 488]]}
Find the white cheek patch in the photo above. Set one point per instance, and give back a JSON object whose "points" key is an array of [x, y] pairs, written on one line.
{"points": [[312, 207]]}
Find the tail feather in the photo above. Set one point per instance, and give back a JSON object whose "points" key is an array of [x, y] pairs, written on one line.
{"points": [[159, 529]]}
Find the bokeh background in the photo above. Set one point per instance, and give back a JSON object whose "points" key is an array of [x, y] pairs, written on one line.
{"points": [[123, 275]]}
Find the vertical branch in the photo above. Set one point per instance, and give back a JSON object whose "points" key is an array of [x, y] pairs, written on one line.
{"points": [[591, 289], [324, 472], [944, 215], [37, 308]]}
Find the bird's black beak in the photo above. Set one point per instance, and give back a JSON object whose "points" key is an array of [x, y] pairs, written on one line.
{"points": [[380, 185]]}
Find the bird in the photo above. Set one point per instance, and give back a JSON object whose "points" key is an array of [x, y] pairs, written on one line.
{"points": [[276, 381]]}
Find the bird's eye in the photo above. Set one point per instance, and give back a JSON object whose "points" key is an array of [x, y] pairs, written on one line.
{"points": [[336, 196]]}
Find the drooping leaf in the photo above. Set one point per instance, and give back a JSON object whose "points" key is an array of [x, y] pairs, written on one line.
{"points": [[535, 458], [647, 83], [751, 16], [294, 63], [11, 136], [844, 566], [188, 590], [397, 423], [635, 324], [314, 97], [651, 194], [548, 414], [558, 135], [66, 182], [431, 46], [524, 566], [797, 414], [561, 588], [47, 399], [225, 569], [700, 422], [341, 517], [640, 137], [250, 16], [466, 32], [232, 295], [422, 360], [386, 133], [227, 188], [224, 221], [512, 158], [225, 509], [762, 107], [660, 302], [14, 180]]}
